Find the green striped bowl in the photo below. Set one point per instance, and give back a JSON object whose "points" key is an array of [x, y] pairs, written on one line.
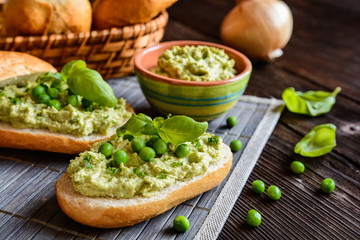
{"points": [[202, 101]]}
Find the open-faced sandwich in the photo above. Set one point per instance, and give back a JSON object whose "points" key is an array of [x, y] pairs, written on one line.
{"points": [[41, 109], [146, 168]]}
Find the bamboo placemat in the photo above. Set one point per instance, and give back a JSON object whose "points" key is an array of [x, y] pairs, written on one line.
{"points": [[28, 206]]}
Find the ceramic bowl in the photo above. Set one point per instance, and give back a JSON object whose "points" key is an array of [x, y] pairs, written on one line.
{"points": [[202, 101]]}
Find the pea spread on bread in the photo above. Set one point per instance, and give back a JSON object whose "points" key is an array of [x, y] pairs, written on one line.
{"points": [[137, 163]]}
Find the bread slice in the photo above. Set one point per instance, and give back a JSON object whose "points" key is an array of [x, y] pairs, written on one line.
{"points": [[104, 212], [16, 68], [44, 140]]}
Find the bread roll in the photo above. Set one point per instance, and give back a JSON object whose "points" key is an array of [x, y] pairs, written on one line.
{"points": [[117, 13], [41, 17], [18, 67], [103, 212]]}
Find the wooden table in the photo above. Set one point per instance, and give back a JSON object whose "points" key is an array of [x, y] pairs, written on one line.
{"points": [[323, 53]]}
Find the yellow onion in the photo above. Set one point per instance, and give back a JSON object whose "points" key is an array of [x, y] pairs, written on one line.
{"points": [[258, 28]]}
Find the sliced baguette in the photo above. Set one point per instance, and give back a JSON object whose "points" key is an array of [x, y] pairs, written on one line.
{"points": [[16, 68], [105, 212]]}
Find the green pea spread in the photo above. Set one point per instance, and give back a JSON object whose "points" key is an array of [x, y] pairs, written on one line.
{"points": [[195, 63], [94, 175], [20, 109]]}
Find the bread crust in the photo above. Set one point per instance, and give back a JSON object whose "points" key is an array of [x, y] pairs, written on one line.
{"points": [[16, 66], [126, 12], [44, 140], [104, 212]]}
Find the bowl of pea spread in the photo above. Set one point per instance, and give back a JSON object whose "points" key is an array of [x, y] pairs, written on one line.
{"points": [[202, 80]]}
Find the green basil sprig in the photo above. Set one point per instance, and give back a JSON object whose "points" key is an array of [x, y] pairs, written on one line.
{"points": [[319, 141], [176, 129], [312, 103], [89, 84], [70, 67]]}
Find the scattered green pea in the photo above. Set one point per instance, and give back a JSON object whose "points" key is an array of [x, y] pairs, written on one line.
{"points": [[235, 145], [160, 147], [258, 186], [56, 84], [253, 218], [53, 93], [38, 91], [106, 149], [231, 121], [274, 192], [181, 223], [137, 144], [120, 157], [182, 150], [327, 185], [152, 140], [147, 153], [55, 103], [86, 103], [44, 99], [297, 167], [72, 100], [128, 137]]}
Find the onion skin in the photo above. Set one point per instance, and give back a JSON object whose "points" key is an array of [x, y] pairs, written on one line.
{"points": [[258, 28]]}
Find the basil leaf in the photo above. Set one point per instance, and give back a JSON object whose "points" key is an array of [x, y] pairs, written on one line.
{"points": [[319, 141], [135, 125], [70, 67], [158, 122], [48, 77], [312, 103], [179, 129], [89, 84]]}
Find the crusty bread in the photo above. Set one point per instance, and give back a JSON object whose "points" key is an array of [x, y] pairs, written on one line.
{"points": [[41, 17], [116, 13], [44, 140], [17, 67], [113, 213]]}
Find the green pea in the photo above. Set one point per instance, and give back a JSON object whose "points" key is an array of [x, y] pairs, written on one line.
{"points": [[137, 144], [147, 153], [297, 167], [128, 137], [273, 192], [44, 99], [120, 157], [15, 101], [182, 150], [181, 224], [327, 185], [258, 186], [235, 145], [44, 86], [38, 91], [231, 121], [152, 140], [253, 218], [55, 103], [160, 146], [86, 103], [56, 84], [72, 100], [53, 93], [106, 149]]}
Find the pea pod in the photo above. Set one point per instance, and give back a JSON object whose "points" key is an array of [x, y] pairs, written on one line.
{"points": [[312, 103], [319, 141]]}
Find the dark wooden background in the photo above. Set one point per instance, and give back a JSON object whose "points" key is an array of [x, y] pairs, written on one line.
{"points": [[323, 53]]}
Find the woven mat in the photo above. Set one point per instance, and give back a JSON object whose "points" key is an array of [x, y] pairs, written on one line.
{"points": [[28, 206]]}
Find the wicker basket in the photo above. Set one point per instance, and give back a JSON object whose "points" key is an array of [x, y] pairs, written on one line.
{"points": [[111, 52]]}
